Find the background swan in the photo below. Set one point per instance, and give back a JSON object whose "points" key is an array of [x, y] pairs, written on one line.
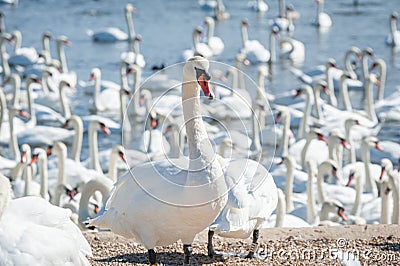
{"points": [[114, 34], [393, 38], [214, 42], [34, 219], [322, 20]]}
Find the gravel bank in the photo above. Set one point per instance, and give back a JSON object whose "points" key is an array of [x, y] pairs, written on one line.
{"points": [[369, 244]]}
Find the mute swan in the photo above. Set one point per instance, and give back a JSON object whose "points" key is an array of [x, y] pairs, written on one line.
{"points": [[284, 21], [65, 74], [4, 56], [106, 99], [254, 51], [113, 34], [34, 219], [2, 23], [387, 167], [40, 155], [322, 20], [285, 136], [393, 38], [380, 64], [199, 48], [207, 4], [133, 55], [220, 11], [23, 56], [188, 210], [282, 218], [258, 5], [215, 43], [292, 49]]}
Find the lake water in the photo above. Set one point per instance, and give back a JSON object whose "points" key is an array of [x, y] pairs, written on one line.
{"points": [[166, 28]]}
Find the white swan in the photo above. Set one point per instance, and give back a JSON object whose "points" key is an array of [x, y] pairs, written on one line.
{"points": [[188, 210], [214, 42], [254, 51], [4, 55], [380, 64], [199, 48], [69, 76], [284, 136], [34, 219], [322, 20], [292, 49], [23, 56], [258, 5], [393, 38], [285, 18], [133, 55], [220, 12], [114, 34], [387, 167]]}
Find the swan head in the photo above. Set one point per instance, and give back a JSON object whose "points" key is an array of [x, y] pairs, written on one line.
{"points": [[317, 133], [197, 69], [353, 173], [95, 73], [208, 21], [372, 142], [394, 16], [47, 35], [64, 40], [368, 51], [329, 165], [386, 167], [130, 8], [245, 23], [333, 206]]}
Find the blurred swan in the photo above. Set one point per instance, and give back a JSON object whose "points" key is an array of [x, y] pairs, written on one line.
{"points": [[322, 20], [393, 38]]}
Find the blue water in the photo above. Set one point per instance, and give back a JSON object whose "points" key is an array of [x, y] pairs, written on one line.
{"points": [[166, 28]]}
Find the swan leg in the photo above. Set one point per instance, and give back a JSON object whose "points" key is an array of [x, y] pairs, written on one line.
{"points": [[210, 247], [152, 257], [254, 245], [187, 251]]}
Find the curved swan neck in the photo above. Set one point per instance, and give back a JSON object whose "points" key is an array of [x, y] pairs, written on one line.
{"points": [[61, 152], [311, 209], [44, 186], [46, 44], [280, 209], [93, 146], [211, 27], [129, 22], [304, 128], [348, 66], [382, 80], [245, 36], [63, 101], [322, 169], [351, 154], [289, 184], [32, 112], [344, 93], [369, 182], [369, 101], [18, 40], [272, 46], [96, 92], [198, 142], [62, 57], [359, 190], [77, 145]]}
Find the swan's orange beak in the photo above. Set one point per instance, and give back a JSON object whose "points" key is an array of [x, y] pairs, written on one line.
{"points": [[382, 173], [379, 147], [122, 156], [34, 159], [105, 129], [24, 114], [341, 214], [351, 177], [345, 144], [278, 118], [203, 80], [321, 138]]}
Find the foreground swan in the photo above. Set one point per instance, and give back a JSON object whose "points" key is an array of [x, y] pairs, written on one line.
{"points": [[160, 202], [34, 232]]}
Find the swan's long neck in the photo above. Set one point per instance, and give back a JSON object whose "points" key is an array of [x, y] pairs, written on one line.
{"points": [[344, 94], [4, 60], [305, 149], [18, 41], [211, 27], [235, 80], [199, 145], [78, 137], [364, 65], [304, 127], [3, 107], [347, 63], [44, 178], [129, 22], [282, 9], [329, 81], [13, 144], [393, 29], [66, 110], [311, 209], [245, 36], [285, 134], [125, 123], [28, 180], [16, 90], [96, 93], [62, 57], [94, 148], [385, 196], [394, 183], [317, 106], [281, 209], [32, 112], [177, 142], [46, 45], [272, 47], [289, 186], [369, 182], [359, 191], [61, 179], [382, 79], [112, 166], [255, 146], [136, 91], [369, 101], [320, 9], [323, 168], [351, 153], [101, 184]]}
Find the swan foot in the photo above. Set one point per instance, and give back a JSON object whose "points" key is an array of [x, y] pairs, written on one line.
{"points": [[152, 257], [187, 251], [254, 245], [210, 248]]}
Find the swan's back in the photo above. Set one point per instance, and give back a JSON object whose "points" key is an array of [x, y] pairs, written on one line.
{"points": [[34, 232]]}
